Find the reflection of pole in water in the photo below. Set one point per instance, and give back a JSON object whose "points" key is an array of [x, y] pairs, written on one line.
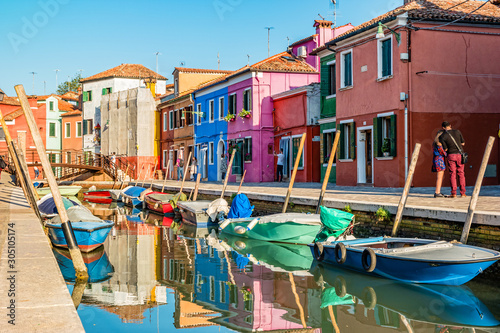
{"points": [[187, 252], [332, 317], [297, 300], [78, 290]]}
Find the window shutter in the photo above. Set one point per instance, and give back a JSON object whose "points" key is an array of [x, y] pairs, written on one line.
{"points": [[85, 96], [110, 90], [347, 70], [104, 91], [386, 57], [325, 80], [84, 127], [352, 144], [393, 136], [377, 136], [341, 148]]}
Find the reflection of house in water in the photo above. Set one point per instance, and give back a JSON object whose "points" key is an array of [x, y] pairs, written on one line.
{"points": [[132, 250]]}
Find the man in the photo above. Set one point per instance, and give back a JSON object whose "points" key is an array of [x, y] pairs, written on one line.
{"points": [[280, 164], [453, 142]]}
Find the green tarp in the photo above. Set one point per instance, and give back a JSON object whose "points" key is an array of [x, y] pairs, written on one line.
{"points": [[334, 221]]}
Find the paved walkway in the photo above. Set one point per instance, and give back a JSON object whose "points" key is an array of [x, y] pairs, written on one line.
{"points": [[41, 298]]}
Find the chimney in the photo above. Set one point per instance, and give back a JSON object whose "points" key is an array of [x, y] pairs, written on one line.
{"points": [[323, 30]]}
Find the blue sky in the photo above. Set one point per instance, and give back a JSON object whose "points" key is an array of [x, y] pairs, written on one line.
{"points": [[70, 35]]}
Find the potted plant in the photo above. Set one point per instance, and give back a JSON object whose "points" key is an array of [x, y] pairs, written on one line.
{"points": [[244, 113], [247, 293], [386, 147], [248, 157], [230, 117]]}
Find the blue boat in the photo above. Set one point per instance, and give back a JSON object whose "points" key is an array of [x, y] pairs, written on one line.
{"points": [[409, 259], [98, 266], [90, 231], [434, 304], [131, 196], [47, 206]]}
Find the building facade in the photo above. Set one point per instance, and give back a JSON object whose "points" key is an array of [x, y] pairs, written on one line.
{"points": [[71, 135]]}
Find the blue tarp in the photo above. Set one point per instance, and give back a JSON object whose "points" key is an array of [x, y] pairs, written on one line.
{"points": [[240, 207], [49, 206], [135, 191]]}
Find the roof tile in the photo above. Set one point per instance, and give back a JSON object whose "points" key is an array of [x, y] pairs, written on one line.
{"points": [[125, 71]]}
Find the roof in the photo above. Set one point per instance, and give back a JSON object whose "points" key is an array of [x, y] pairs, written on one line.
{"points": [[201, 71], [71, 95], [72, 113], [65, 106], [131, 71], [10, 101], [13, 115], [303, 40], [440, 10]]}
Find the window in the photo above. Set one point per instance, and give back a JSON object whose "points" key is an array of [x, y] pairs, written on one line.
{"points": [[198, 115], [328, 138], [222, 293], [347, 144], [295, 150], [68, 157], [78, 129], [171, 120], [51, 105], [346, 71], [212, 288], [2, 134], [333, 79], [211, 152], [67, 132], [182, 117], [87, 96], [385, 57], [221, 108], [164, 121], [106, 91], [232, 104], [176, 119], [211, 110], [90, 126], [247, 148], [165, 158], [384, 135], [247, 100], [52, 130], [189, 115], [176, 87]]}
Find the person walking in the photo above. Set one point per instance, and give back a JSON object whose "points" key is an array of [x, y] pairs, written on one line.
{"points": [[280, 164], [194, 167], [37, 171], [223, 166], [453, 141], [438, 164], [2, 164], [180, 168]]}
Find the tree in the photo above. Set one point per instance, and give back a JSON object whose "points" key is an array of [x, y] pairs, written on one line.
{"points": [[69, 85]]}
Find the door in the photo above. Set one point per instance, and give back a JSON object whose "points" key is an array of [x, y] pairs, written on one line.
{"points": [[238, 159], [221, 149], [285, 145], [364, 155], [368, 156]]}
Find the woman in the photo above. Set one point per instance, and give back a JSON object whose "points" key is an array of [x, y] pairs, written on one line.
{"points": [[438, 164], [194, 166], [223, 166], [180, 168]]}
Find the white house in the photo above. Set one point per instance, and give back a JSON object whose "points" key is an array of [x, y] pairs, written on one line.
{"points": [[119, 78]]}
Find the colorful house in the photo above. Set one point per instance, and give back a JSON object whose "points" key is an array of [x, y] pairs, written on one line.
{"points": [[395, 88], [72, 135]]}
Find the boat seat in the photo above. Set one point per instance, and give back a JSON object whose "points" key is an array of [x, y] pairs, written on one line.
{"points": [[430, 246]]}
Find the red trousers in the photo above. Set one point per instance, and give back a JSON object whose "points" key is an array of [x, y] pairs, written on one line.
{"points": [[456, 169]]}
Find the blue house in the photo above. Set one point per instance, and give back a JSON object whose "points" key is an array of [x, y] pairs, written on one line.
{"points": [[210, 131]]}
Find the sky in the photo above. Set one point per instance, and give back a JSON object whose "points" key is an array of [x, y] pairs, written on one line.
{"points": [[88, 37]]}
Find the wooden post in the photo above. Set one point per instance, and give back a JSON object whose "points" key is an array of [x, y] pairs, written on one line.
{"points": [[74, 250], [154, 171], [241, 181], [406, 190], [477, 188], [229, 166], [166, 175], [186, 166], [145, 176], [123, 179], [328, 170], [198, 178], [294, 173], [190, 194], [140, 173]]}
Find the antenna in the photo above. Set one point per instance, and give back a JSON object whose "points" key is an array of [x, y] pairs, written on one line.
{"points": [[248, 56], [218, 61], [33, 73], [268, 36], [44, 87], [56, 70], [288, 41], [321, 17], [157, 54], [334, 2], [182, 63]]}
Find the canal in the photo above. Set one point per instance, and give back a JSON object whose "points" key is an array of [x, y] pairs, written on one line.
{"points": [[157, 274]]}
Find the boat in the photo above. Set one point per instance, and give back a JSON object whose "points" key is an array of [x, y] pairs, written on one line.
{"points": [[47, 206], [202, 212], [163, 202], [98, 266], [98, 196], [99, 200], [90, 231], [410, 260], [433, 304], [66, 190], [131, 195]]}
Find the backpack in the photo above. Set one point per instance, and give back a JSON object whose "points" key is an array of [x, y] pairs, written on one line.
{"points": [[181, 163]]}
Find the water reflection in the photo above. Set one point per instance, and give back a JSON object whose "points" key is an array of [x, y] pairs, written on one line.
{"points": [[170, 275]]}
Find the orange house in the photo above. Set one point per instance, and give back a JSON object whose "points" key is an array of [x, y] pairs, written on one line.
{"points": [[72, 141]]}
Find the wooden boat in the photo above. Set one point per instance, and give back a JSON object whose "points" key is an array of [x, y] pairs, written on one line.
{"points": [[47, 206], [409, 259], [90, 231], [285, 227], [433, 304], [66, 190], [98, 266], [195, 212], [159, 202], [99, 200], [131, 195], [98, 195]]}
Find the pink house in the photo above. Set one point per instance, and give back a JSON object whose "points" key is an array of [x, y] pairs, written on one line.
{"points": [[391, 95]]}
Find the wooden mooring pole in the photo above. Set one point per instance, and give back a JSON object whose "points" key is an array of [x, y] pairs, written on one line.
{"points": [[294, 173], [195, 195], [328, 171], [154, 171], [186, 167], [241, 181], [477, 189], [406, 190], [166, 175], [74, 250], [123, 179], [229, 166]]}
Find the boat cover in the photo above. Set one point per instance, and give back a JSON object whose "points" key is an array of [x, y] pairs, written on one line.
{"points": [[240, 207], [134, 191], [216, 206], [300, 218], [334, 221], [195, 207], [47, 206], [178, 197], [160, 197], [329, 297], [144, 193], [77, 214]]}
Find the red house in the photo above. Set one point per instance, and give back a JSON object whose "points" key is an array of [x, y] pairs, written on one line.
{"points": [[395, 88]]}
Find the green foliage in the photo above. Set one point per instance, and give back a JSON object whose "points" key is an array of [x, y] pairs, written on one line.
{"points": [[244, 113], [383, 214], [229, 117], [291, 205], [71, 85], [386, 146], [348, 209]]}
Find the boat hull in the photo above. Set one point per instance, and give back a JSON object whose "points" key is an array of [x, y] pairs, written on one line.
{"points": [[98, 193], [69, 190], [195, 212], [88, 235], [158, 206], [411, 270], [98, 266]]}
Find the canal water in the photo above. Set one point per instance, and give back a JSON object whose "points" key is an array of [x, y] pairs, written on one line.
{"points": [[157, 274]]}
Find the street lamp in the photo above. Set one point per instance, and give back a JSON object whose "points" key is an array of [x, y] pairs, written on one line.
{"points": [[380, 32]]}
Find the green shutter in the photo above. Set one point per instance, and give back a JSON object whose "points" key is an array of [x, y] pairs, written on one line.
{"points": [[352, 144], [348, 70], [104, 91], [377, 136], [110, 90], [386, 57], [84, 127], [90, 95], [85, 96], [325, 80], [341, 148], [393, 136]]}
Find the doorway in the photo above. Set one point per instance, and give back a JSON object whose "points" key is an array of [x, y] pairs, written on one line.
{"points": [[365, 155], [221, 149], [285, 145]]}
